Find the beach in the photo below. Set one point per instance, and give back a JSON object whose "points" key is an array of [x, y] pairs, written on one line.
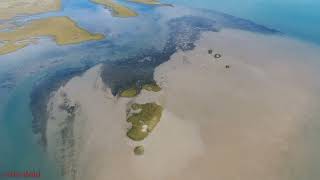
{"points": [[240, 116]]}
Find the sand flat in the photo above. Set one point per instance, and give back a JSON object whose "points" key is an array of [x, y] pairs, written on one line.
{"points": [[12, 8], [218, 123], [250, 114]]}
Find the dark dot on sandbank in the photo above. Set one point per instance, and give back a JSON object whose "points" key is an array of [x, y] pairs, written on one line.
{"points": [[217, 56]]}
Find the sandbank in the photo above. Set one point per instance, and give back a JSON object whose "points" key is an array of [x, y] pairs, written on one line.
{"points": [[217, 123]]}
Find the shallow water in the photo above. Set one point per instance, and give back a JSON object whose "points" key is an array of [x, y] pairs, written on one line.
{"points": [[298, 18]]}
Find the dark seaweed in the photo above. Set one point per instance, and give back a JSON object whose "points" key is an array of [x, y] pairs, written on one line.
{"points": [[40, 97], [139, 70]]}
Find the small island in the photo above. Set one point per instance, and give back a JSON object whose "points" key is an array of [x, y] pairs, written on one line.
{"points": [[63, 30], [143, 119], [118, 10]]}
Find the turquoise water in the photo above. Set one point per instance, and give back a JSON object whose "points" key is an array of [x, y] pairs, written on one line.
{"points": [[19, 148], [297, 18]]}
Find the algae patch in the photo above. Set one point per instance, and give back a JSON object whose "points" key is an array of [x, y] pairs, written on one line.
{"points": [[129, 93], [139, 150], [151, 87], [135, 90], [62, 29], [143, 120]]}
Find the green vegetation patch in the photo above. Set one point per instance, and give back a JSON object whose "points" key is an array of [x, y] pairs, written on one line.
{"points": [[144, 120], [129, 93], [135, 90], [152, 87], [139, 150]]}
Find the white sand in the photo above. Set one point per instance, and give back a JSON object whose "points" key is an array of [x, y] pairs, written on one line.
{"points": [[218, 123], [103, 149]]}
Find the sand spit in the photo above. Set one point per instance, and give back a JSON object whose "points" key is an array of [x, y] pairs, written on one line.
{"points": [[218, 123], [62, 30]]}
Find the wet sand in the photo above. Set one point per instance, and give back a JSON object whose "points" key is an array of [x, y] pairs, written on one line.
{"points": [[218, 123]]}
